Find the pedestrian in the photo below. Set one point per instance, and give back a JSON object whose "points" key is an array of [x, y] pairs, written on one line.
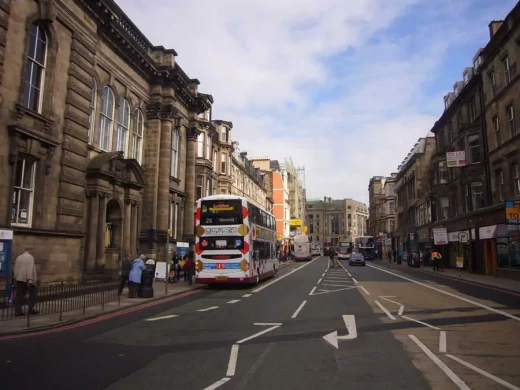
{"points": [[394, 255], [134, 279], [389, 256], [189, 266], [176, 268], [126, 266], [25, 280], [436, 257], [331, 253]]}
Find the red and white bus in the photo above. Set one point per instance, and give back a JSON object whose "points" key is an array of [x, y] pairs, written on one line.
{"points": [[235, 241]]}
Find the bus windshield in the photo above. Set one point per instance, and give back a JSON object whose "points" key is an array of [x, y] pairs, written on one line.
{"points": [[221, 212], [345, 247]]}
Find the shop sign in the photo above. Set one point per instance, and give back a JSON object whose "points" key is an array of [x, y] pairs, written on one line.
{"points": [[460, 262], [463, 237], [513, 212], [440, 236], [296, 222], [456, 159]]}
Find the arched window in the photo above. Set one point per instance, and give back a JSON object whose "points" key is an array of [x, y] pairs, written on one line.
{"points": [[92, 117], [174, 158], [137, 139], [123, 125], [200, 145], [106, 118], [35, 69]]}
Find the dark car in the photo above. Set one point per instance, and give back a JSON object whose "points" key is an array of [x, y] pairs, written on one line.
{"points": [[357, 258]]}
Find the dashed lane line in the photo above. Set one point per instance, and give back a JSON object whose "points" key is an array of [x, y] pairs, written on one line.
{"points": [[299, 309], [209, 308], [234, 301], [385, 310], [283, 277], [217, 384], [246, 295], [364, 290], [162, 318]]}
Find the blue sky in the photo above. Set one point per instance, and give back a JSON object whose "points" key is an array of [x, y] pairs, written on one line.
{"points": [[345, 91]]}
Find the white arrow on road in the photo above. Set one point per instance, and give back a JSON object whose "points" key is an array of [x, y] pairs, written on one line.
{"points": [[350, 323]]}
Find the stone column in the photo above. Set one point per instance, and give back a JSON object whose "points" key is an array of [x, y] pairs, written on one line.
{"points": [[133, 229], [92, 229], [189, 205], [101, 228], [127, 227]]}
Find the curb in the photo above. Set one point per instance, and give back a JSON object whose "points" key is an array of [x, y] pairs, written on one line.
{"points": [[502, 289], [90, 319]]}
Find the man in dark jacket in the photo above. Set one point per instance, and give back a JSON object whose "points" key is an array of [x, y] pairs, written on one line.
{"points": [[126, 266]]}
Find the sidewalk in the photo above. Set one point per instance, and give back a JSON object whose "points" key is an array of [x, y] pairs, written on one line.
{"points": [[19, 325], [463, 275]]}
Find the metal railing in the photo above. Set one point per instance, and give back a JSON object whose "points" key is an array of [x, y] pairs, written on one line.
{"points": [[59, 298]]}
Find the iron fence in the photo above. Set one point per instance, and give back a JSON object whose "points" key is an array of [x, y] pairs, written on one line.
{"points": [[59, 298]]}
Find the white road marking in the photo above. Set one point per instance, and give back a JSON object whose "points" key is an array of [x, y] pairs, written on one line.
{"points": [[234, 301], [299, 309], [387, 296], [323, 275], [217, 384], [319, 281], [355, 281], [209, 308], [420, 322], [267, 324], [282, 277], [314, 288], [335, 285], [485, 373], [258, 334], [481, 305], [455, 379], [401, 310], [442, 342], [162, 318], [389, 300], [364, 290], [246, 295], [385, 311], [323, 291], [232, 365], [348, 273], [350, 323]]}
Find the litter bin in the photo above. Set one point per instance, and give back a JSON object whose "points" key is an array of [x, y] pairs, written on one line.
{"points": [[146, 290]]}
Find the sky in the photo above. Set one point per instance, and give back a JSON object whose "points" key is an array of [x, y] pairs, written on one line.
{"points": [[344, 88]]}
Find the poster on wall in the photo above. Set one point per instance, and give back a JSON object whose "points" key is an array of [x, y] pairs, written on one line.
{"points": [[440, 236], [182, 249]]}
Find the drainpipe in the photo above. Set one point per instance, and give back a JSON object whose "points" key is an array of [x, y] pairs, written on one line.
{"points": [[487, 168]]}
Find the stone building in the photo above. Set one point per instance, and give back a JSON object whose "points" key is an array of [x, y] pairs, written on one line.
{"points": [[376, 201], [329, 219], [412, 189], [297, 195], [382, 209], [98, 137], [249, 181], [498, 62]]}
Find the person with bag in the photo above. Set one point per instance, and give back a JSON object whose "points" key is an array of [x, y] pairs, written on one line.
{"points": [[134, 280], [189, 267], [25, 280]]}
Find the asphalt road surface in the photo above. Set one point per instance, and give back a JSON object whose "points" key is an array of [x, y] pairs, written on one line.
{"points": [[311, 327]]}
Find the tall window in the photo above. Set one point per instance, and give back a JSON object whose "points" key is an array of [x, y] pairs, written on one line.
{"points": [[200, 181], [123, 125], [224, 134], [511, 120], [174, 158], [223, 162], [92, 117], [215, 160], [229, 165], [200, 145], [467, 203], [443, 172], [493, 82], [477, 195], [208, 147], [472, 110], [23, 195], [173, 219], [516, 179], [500, 185], [496, 129], [474, 149], [106, 118], [207, 187], [507, 69], [137, 137], [35, 69], [443, 209]]}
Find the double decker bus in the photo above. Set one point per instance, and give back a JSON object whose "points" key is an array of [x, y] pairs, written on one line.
{"points": [[345, 248], [365, 246], [235, 241], [315, 249]]}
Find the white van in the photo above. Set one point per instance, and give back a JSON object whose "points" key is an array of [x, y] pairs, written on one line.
{"points": [[302, 248]]}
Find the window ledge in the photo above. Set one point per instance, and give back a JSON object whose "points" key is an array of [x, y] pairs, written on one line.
{"points": [[175, 180], [25, 111]]}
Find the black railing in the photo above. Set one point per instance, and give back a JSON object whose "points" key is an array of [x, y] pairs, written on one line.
{"points": [[59, 298]]}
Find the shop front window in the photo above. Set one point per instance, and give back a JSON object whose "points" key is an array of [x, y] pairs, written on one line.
{"points": [[508, 252]]}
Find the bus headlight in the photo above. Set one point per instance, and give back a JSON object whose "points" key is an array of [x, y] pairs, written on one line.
{"points": [[244, 265], [199, 266]]}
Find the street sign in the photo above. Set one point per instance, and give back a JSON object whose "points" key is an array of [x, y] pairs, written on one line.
{"points": [[513, 212], [463, 237]]}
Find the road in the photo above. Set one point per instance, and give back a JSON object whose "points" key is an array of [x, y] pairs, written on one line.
{"points": [[396, 329]]}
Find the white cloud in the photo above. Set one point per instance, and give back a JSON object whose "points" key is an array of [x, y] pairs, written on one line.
{"points": [[329, 84]]}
